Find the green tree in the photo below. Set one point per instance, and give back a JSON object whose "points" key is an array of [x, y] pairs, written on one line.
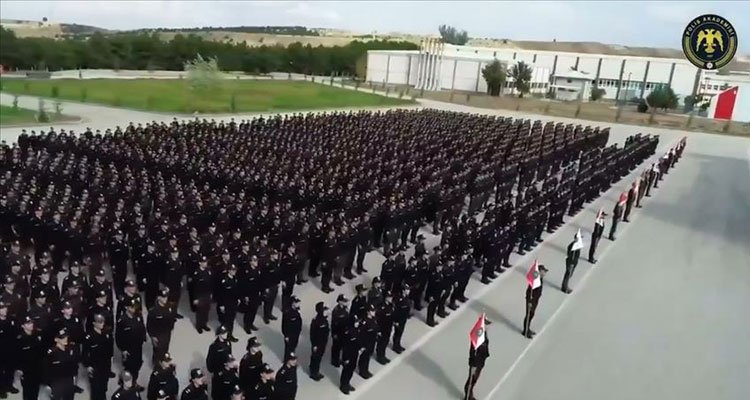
{"points": [[663, 97], [495, 75], [452, 35], [597, 93], [521, 74], [203, 74]]}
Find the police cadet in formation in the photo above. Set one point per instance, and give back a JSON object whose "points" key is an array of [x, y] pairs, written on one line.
{"points": [[251, 365], [617, 213], [7, 337], [632, 194], [160, 324], [385, 317], [218, 350], [197, 389], [252, 288], [30, 348], [227, 300], [285, 382], [98, 348], [130, 296], [596, 235], [224, 380], [128, 389], [61, 365], [163, 379], [340, 321], [271, 277], [359, 302], [202, 284], [532, 301], [291, 327], [350, 355], [319, 331], [130, 334], [368, 335], [101, 307], [263, 390], [571, 260], [401, 315]]}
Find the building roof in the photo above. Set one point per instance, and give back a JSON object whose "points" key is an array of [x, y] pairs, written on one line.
{"points": [[573, 74]]}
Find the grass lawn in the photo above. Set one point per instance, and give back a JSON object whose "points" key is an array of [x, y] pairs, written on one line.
{"points": [[10, 115], [168, 95]]}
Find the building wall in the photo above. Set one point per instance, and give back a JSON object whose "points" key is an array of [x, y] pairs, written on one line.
{"points": [[544, 63]]}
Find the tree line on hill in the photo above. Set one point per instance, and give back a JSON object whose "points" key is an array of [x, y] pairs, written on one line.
{"points": [[146, 51], [271, 30]]}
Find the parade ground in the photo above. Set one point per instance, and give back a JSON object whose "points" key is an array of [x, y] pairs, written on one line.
{"points": [[661, 315]]}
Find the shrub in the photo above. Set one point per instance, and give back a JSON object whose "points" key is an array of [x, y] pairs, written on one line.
{"points": [[41, 115], [55, 92], [642, 107], [15, 102], [233, 103]]}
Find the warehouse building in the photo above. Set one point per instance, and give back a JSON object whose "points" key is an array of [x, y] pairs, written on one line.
{"points": [[439, 66]]}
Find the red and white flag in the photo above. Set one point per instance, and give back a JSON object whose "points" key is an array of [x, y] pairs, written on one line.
{"points": [[476, 335], [600, 217], [623, 199], [532, 277]]}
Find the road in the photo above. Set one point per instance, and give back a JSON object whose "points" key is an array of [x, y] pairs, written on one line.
{"points": [[660, 314]]}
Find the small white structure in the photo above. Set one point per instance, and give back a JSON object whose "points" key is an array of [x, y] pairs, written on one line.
{"points": [[572, 85]]}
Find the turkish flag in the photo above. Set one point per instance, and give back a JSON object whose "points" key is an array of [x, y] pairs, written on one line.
{"points": [[623, 198], [476, 335], [532, 277]]}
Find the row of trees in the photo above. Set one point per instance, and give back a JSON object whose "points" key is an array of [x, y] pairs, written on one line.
{"points": [[145, 51], [452, 35], [272, 30]]}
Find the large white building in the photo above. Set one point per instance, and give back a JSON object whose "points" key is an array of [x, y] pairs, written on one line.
{"points": [[438, 66]]}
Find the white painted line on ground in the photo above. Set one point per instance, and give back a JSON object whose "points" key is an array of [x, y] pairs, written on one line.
{"points": [[366, 385], [580, 284]]}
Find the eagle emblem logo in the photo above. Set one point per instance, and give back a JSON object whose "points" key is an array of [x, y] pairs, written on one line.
{"points": [[709, 42]]}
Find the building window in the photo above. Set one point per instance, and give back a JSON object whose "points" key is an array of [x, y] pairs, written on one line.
{"points": [[570, 81]]}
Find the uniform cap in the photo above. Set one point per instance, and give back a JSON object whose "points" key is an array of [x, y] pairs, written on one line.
{"points": [[375, 280], [232, 267], [371, 308], [40, 294], [342, 298], [61, 334], [101, 293], [295, 299], [292, 356], [132, 303], [543, 268], [222, 330], [9, 279], [196, 373], [236, 390], [252, 341], [204, 259], [67, 305], [161, 394], [100, 272], [166, 357], [26, 320], [267, 369], [164, 292], [229, 358], [74, 283], [320, 307], [360, 288], [99, 318], [126, 376], [3, 305], [129, 283]]}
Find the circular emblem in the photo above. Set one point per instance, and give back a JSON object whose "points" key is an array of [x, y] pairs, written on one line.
{"points": [[480, 332], [709, 41]]}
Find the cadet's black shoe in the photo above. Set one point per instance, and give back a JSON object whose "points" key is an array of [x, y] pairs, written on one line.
{"points": [[76, 389], [351, 388], [314, 274], [200, 330], [327, 290], [453, 306], [494, 275], [463, 299], [233, 339], [626, 220], [398, 349], [567, 290], [179, 316], [507, 265], [383, 360], [593, 261], [443, 314], [365, 375], [349, 276], [112, 374], [339, 282], [272, 317], [485, 281], [431, 323], [139, 388], [206, 328], [317, 377], [336, 364], [3, 395], [266, 321], [12, 389], [301, 281], [344, 390], [361, 271], [523, 253]]}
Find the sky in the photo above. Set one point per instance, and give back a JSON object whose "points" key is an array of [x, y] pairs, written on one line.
{"points": [[629, 23]]}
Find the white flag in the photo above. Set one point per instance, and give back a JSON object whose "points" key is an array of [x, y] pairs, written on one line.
{"points": [[578, 245]]}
